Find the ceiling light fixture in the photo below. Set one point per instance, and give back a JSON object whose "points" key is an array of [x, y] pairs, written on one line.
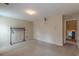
{"points": [[31, 12]]}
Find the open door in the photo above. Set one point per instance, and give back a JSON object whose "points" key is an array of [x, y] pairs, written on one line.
{"points": [[70, 33]]}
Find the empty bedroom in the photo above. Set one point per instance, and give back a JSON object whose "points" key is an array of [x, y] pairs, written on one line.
{"points": [[39, 29]]}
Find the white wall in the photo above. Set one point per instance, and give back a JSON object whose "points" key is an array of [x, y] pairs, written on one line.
{"points": [[6, 23], [51, 31]]}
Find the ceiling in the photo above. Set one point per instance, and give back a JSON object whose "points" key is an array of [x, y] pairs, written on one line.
{"points": [[17, 10]]}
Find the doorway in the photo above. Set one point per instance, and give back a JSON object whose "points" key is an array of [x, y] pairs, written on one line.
{"points": [[70, 33]]}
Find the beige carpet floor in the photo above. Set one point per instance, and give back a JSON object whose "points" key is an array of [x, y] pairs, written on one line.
{"points": [[38, 48]]}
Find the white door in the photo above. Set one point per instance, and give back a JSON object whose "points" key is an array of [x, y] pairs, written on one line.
{"points": [[78, 34]]}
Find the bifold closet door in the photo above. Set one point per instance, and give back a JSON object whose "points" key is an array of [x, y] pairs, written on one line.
{"points": [[17, 35]]}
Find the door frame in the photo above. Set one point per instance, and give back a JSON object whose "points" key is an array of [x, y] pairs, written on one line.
{"points": [[63, 22]]}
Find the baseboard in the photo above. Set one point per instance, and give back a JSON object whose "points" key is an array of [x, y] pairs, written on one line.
{"points": [[50, 42]]}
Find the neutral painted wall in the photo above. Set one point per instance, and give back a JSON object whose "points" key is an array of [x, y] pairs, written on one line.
{"points": [[51, 31], [6, 23]]}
